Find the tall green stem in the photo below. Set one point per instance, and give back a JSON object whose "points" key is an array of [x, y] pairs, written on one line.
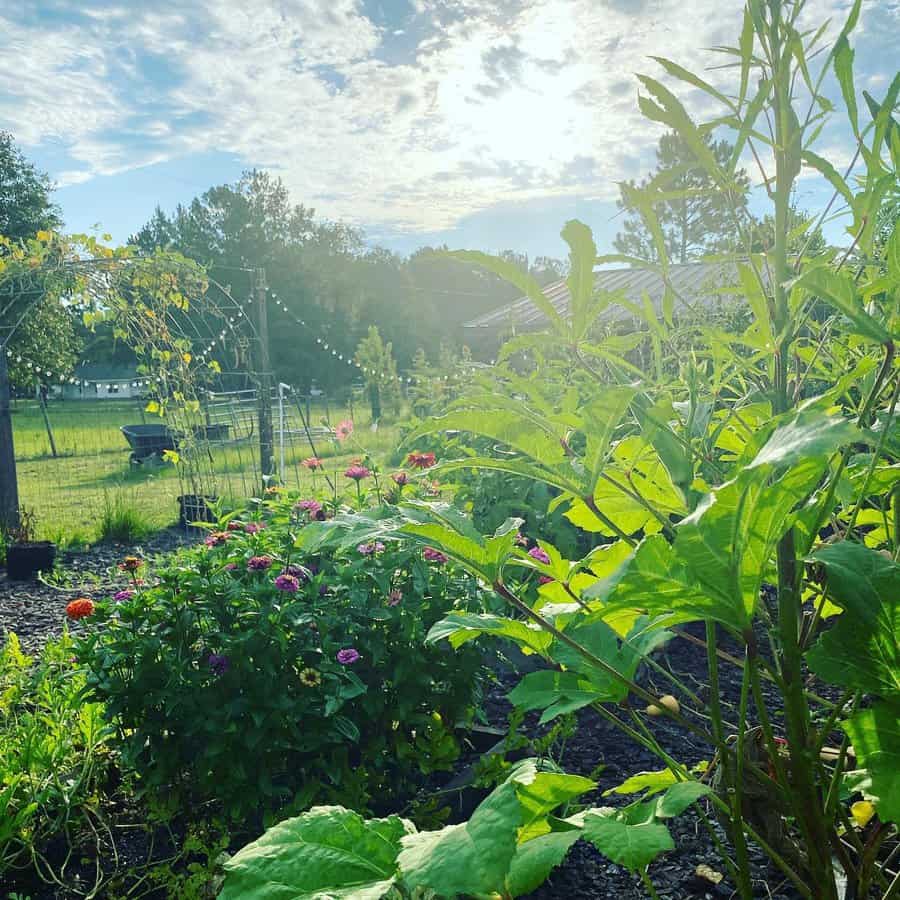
{"points": [[807, 797]]}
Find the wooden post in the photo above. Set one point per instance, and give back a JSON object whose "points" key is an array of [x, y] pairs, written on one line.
{"points": [[264, 383], [9, 488], [47, 425]]}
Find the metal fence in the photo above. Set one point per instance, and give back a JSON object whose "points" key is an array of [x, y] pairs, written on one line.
{"points": [[79, 460]]}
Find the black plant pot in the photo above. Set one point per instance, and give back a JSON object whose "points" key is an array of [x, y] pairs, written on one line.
{"points": [[25, 560], [194, 508]]}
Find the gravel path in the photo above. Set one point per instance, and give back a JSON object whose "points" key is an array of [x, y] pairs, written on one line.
{"points": [[35, 610]]}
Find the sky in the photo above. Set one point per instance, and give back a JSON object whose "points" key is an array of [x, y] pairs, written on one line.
{"points": [[476, 124]]}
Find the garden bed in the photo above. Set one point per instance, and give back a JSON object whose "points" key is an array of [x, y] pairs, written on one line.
{"points": [[35, 610]]}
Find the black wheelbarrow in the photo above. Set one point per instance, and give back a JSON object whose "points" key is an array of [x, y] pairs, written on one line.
{"points": [[148, 441]]}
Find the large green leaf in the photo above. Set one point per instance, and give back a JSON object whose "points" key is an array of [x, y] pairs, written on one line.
{"points": [[484, 556], [328, 852], [875, 735], [656, 581], [459, 628], [862, 649], [632, 846], [477, 857]]}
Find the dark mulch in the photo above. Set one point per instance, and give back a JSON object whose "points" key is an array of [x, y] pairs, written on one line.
{"points": [[35, 610]]}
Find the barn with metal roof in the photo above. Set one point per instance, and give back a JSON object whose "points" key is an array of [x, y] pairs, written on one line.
{"points": [[700, 284]]}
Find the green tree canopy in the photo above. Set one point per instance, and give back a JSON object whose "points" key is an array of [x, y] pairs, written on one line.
{"points": [[37, 329], [698, 218]]}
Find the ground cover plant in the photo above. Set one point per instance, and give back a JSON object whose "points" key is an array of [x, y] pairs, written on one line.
{"points": [[55, 757], [749, 485]]}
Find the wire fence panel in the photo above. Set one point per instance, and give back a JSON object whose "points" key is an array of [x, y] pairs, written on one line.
{"points": [[78, 458]]}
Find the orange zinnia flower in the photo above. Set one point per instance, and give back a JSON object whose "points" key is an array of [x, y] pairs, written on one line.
{"points": [[79, 608]]}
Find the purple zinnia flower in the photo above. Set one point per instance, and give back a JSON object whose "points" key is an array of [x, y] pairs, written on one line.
{"points": [[357, 473], [219, 663], [289, 583], [259, 563], [433, 555], [253, 527], [370, 548], [540, 555], [347, 657], [298, 572], [119, 596]]}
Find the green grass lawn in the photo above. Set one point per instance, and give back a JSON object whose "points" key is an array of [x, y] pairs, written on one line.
{"points": [[68, 494]]}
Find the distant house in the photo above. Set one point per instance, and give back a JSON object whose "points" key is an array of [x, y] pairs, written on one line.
{"points": [[705, 285], [99, 381]]}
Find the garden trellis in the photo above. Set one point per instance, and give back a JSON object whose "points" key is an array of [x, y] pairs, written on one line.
{"points": [[115, 285]]}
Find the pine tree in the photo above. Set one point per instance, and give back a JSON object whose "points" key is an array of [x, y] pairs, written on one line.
{"points": [[700, 222]]}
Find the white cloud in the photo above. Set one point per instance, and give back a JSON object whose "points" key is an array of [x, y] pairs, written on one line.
{"points": [[501, 102]]}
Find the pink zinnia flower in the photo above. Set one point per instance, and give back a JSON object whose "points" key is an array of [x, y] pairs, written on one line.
{"points": [[433, 555], [540, 555], [259, 563], [344, 430], [216, 539], [421, 460], [400, 478], [347, 657], [545, 579], [120, 596], [357, 473], [313, 462], [370, 548], [289, 583], [311, 507], [254, 527]]}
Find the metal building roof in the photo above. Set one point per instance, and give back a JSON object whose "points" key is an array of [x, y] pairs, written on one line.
{"points": [[702, 283]]}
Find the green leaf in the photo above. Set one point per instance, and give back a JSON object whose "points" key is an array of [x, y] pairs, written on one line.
{"points": [[862, 649], [683, 74], [843, 69], [839, 290], [470, 858], [580, 281], [327, 852], [667, 109], [875, 735], [679, 797], [459, 628], [651, 782], [556, 693], [823, 167], [535, 859], [541, 792], [632, 846], [510, 272]]}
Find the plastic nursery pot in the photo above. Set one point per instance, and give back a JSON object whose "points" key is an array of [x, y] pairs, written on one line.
{"points": [[194, 508], [25, 560]]}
